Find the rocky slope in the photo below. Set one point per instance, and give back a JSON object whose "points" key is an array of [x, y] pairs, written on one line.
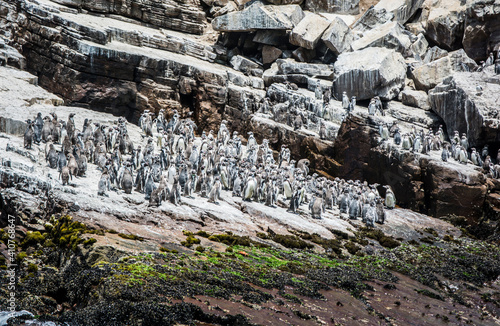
{"points": [[269, 68]]}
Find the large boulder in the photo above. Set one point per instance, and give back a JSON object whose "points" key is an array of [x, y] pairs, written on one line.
{"points": [[338, 36], [270, 54], [348, 7], [403, 10], [482, 28], [428, 75], [271, 37], [370, 72], [243, 64], [390, 35], [308, 32], [259, 17], [465, 107], [445, 23], [415, 98], [372, 18], [290, 67]]}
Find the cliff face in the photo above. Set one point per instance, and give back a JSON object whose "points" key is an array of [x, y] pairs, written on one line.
{"points": [[124, 57]]}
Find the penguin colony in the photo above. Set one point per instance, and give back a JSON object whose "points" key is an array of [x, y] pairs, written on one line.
{"points": [[173, 163]]}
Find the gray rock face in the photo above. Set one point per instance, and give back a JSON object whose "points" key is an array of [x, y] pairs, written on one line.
{"points": [[465, 108], [420, 46], [482, 28], [350, 7], [308, 32], [430, 74], [289, 67], [243, 64], [445, 24], [372, 18], [276, 38], [434, 53], [338, 36], [368, 73], [270, 54], [390, 35], [258, 16], [415, 98], [402, 9], [285, 2]]}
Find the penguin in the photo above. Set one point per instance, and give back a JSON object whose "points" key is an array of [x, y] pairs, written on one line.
{"points": [[149, 185], [61, 161], [126, 182], [37, 128], [405, 144], [322, 131], [397, 137], [343, 203], [70, 126], [191, 184], [237, 186], [72, 165], [371, 215], [104, 184], [390, 199], [64, 175], [29, 135], [294, 201], [384, 132], [372, 107], [352, 104], [303, 165], [462, 156], [46, 129], [445, 154], [354, 210], [345, 101], [175, 193], [250, 188], [251, 140], [271, 194], [485, 151], [316, 207], [380, 211], [52, 157], [214, 195], [474, 157]]}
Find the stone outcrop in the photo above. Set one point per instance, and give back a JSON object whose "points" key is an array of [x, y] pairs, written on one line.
{"points": [[428, 75], [445, 23], [368, 73], [414, 98], [372, 18], [258, 16], [338, 36], [390, 35], [482, 29], [346, 7], [402, 10], [186, 16], [468, 103], [308, 32]]}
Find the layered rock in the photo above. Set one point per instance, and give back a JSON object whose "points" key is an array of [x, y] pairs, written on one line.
{"points": [[428, 75], [402, 10], [258, 16], [349, 7], [186, 16], [482, 29], [368, 73], [445, 23], [308, 32], [338, 36], [468, 103], [390, 35]]}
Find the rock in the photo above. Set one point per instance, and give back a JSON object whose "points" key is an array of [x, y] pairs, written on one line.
{"points": [[347, 7], [420, 46], [270, 54], [303, 55], [187, 16], [229, 7], [466, 109], [428, 75], [338, 36], [482, 28], [289, 67], [270, 37], [369, 72], [403, 10], [258, 16], [372, 18], [434, 53], [415, 98], [286, 2], [390, 35], [243, 64], [445, 24], [308, 32]]}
